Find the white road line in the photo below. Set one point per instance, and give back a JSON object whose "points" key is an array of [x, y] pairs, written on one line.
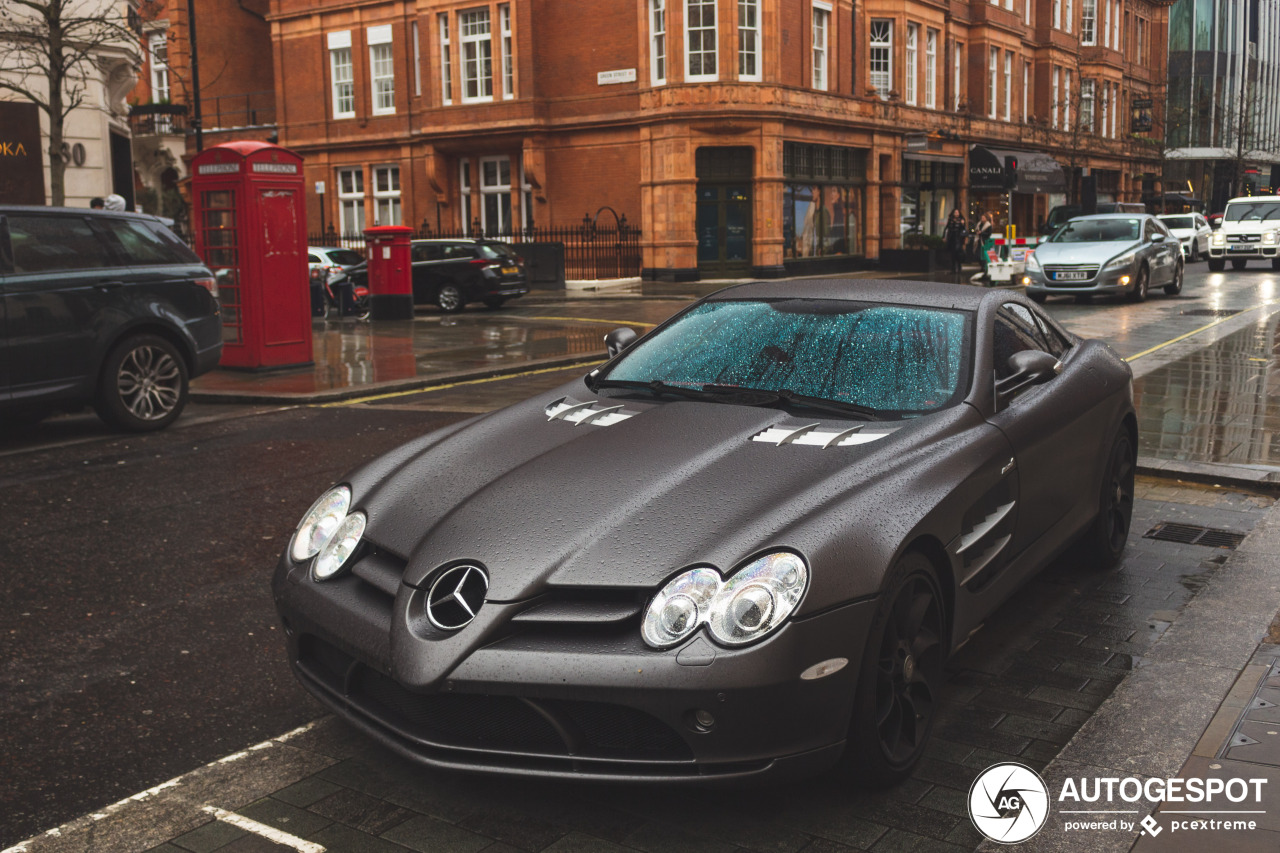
{"points": [[268, 832]]}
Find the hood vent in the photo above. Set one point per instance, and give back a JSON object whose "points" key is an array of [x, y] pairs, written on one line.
{"points": [[815, 435], [591, 412]]}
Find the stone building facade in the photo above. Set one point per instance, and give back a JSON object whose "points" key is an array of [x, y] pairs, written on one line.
{"points": [[746, 137]]}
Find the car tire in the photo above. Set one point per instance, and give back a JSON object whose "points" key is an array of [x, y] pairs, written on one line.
{"points": [[1174, 287], [1084, 298], [1217, 264], [1239, 263], [1193, 254], [1037, 298], [1141, 286], [1104, 542], [449, 298], [1275, 263], [900, 677], [143, 385], [493, 303]]}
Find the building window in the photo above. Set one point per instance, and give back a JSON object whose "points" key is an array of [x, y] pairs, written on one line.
{"points": [[508, 64], [1089, 21], [1053, 104], [748, 39], [881, 56], [158, 46], [957, 52], [1008, 85], [1086, 106], [821, 27], [993, 82], [1066, 98], [477, 56], [386, 195], [417, 63], [1026, 92], [1106, 23], [464, 195], [700, 40], [1115, 44], [912, 62], [526, 202], [382, 70], [351, 201], [495, 192], [1057, 14], [446, 62], [823, 197], [1068, 17], [658, 42], [931, 69], [342, 75]]}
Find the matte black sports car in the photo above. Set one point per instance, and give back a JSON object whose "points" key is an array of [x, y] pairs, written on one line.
{"points": [[743, 547]]}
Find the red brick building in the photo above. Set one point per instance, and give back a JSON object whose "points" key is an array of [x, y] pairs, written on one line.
{"points": [[746, 137]]}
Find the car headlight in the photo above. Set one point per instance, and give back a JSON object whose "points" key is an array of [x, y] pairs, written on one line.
{"points": [[751, 604], [1269, 238], [1122, 261], [1033, 263], [1218, 239], [328, 532]]}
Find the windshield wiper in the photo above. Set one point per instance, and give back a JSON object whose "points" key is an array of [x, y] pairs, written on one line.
{"points": [[822, 404], [658, 388], [743, 396]]}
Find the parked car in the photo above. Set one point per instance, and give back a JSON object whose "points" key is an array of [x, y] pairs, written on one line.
{"points": [[1063, 213], [107, 308], [743, 547], [1250, 231], [332, 259], [1113, 253], [452, 273], [1192, 231]]}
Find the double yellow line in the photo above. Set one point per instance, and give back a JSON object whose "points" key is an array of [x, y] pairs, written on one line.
{"points": [[1195, 332]]}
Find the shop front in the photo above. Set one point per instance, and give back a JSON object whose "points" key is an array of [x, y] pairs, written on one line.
{"points": [[823, 207], [930, 191], [1039, 179]]}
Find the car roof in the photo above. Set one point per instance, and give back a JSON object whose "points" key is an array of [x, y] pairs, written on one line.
{"points": [[454, 240], [926, 294], [1254, 198], [1134, 215], [75, 211]]}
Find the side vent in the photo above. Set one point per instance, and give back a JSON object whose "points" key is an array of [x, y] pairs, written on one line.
{"points": [[590, 412], [814, 436]]}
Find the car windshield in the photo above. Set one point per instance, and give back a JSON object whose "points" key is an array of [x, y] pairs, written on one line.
{"points": [[887, 358], [1178, 222], [1253, 211], [345, 257], [497, 250], [1098, 231]]}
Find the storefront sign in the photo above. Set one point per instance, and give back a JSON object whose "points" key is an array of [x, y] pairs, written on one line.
{"points": [[21, 156], [1037, 172], [622, 75]]}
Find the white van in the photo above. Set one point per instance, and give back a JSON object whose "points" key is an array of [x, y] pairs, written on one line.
{"points": [[1250, 231]]}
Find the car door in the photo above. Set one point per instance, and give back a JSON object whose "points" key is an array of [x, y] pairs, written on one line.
{"points": [[1044, 424], [58, 301], [425, 260]]}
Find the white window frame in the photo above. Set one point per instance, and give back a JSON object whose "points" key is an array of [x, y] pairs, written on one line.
{"points": [[1106, 27], [1026, 90], [1106, 110], [1008, 85], [342, 75], [475, 32], [703, 76], [1119, 17], [503, 191], [1057, 14], [911, 71], [1088, 91], [350, 200], [658, 42], [387, 198], [158, 58], [881, 80], [1054, 104], [1089, 21], [446, 59], [417, 63], [821, 39], [749, 40], [382, 70], [526, 201], [508, 58], [931, 69], [1068, 17], [993, 81], [1066, 92], [464, 195], [957, 50]]}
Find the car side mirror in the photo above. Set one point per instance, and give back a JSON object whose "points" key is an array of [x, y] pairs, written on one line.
{"points": [[1026, 368], [1157, 238], [619, 339]]}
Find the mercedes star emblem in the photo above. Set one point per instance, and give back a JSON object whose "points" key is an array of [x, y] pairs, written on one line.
{"points": [[456, 597]]}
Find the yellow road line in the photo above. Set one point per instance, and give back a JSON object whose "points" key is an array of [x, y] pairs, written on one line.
{"points": [[391, 394], [592, 320], [1217, 322]]}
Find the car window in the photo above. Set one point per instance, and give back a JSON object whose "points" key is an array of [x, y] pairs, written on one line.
{"points": [[496, 250], [1253, 211], [1016, 330], [1178, 222], [142, 244], [50, 243], [1097, 231], [1150, 229], [457, 251], [892, 358], [346, 257], [313, 259]]}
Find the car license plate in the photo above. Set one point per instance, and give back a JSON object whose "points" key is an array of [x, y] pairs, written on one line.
{"points": [[1070, 276], [1242, 248], [509, 270]]}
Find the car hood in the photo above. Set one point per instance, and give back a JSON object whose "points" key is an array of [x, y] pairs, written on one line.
{"points": [[630, 498], [1182, 233], [1082, 253]]}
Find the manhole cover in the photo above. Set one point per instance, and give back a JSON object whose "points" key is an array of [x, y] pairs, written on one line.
{"points": [[1193, 534], [1211, 312]]}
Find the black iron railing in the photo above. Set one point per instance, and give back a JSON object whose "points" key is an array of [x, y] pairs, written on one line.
{"points": [[158, 119]]}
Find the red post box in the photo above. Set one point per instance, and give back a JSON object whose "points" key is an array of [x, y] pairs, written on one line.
{"points": [[250, 228], [390, 272]]}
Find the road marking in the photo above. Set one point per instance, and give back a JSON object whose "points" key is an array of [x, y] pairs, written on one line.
{"points": [[592, 320], [268, 832], [1196, 332], [392, 394]]}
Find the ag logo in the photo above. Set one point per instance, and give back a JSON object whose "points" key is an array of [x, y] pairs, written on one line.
{"points": [[1008, 803]]}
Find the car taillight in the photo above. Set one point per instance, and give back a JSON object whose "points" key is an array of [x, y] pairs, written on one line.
{"points": [[209, 284], [484, 262]]}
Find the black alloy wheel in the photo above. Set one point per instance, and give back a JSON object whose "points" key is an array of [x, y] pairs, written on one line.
{"points": [[901, 676], [1174, 287], [449, 298], [1105, 540], [1141, 286]]}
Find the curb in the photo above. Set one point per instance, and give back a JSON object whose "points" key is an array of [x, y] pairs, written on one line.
{"points": [[1255, 477]]}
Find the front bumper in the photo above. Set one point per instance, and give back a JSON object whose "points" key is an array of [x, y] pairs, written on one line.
{"points": [[1103, 282], [533, 699]]}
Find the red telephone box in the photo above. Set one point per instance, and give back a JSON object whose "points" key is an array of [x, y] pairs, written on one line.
{"points": [[250, 228]]}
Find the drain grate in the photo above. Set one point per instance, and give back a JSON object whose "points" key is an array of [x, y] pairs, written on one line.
{"points": [[1194, 534], [1211, 312]]}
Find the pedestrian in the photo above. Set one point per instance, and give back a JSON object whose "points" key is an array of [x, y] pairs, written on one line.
{"points": [[114, 202], [986, 242], [96, 203], [954, 236]]}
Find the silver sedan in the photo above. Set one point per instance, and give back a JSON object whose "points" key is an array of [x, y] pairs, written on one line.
{"points": [[1120, 253]]}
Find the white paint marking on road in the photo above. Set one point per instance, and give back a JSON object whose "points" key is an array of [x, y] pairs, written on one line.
{"points": [[235, 756], [300, 730], [270, 833]]}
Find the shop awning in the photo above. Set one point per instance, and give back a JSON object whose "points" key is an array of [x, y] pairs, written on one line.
{"points": [[1037, 172]]}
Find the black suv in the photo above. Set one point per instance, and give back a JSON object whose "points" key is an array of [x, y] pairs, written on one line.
{"points": [[451, 273], [101, 307]]}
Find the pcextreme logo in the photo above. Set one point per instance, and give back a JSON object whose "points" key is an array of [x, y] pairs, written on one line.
{"points": [[1009, 803]]}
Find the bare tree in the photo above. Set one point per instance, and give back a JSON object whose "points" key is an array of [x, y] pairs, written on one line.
{"points": [[50, 52]]}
